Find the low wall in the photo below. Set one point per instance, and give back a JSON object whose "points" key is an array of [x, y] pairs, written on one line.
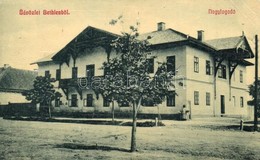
{"points": [[17, 109]]}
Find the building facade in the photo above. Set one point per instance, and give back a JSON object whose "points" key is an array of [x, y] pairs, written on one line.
{"points": [[210, 75]]}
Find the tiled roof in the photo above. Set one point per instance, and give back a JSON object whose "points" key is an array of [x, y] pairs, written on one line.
{"points": [[45, 59], [170, 36], [225, 43], [12, 79], [165, 36]]}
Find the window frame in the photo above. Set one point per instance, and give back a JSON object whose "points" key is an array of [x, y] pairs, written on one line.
{"points": [[58, 74], [147, 103], [171, 99], [125, 104], [57, 102], [241, 76], [241, 102], [171, 64], [234, 101], [74, 73], [196, 98], [150, 62], [208, 67], [72, 99], [47, 73], [196, 64], [222, 71], [87, 104], [207, 98], [88, 68], [106, 102]]}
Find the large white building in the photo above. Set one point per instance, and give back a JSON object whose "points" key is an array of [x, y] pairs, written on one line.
{"points": [[210, 74]]}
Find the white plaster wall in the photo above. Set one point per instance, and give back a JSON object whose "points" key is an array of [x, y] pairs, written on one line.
{"points": [[205, 83], [42, 67], [203, 56], [202, 87], [50, 66], [6, 97], [191, 80], [94, 56], [199, 81]]}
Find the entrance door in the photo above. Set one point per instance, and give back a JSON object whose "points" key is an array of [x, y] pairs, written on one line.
{"points": [[222, 102]]}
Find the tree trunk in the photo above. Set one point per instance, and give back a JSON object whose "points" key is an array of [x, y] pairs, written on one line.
{"points": [[159, 115], [113, 112], [133, 138], [50, 109]]}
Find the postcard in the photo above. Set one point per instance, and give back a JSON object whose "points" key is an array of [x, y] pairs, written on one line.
{"points": [[139, 79]]}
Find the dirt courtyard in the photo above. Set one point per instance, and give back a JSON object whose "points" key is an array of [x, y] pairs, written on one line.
{"points": [[201, 138]]}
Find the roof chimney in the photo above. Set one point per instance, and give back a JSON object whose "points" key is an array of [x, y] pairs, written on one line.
{"points": [[201, 35], [6, 66], [160, 26]]}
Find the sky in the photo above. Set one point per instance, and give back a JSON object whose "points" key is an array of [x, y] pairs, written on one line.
{"points": [[27, 38]]}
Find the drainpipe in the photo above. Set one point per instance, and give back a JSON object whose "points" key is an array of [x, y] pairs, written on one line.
{"points": [[215, 89]]}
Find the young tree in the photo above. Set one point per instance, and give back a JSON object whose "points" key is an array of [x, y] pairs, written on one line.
{"points": [[129, 79], [252, 93], [108, 91], [42, 92]]}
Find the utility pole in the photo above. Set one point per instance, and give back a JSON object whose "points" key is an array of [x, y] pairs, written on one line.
{"points": [[256, 84]]}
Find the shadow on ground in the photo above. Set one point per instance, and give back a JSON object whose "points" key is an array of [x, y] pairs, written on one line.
{"points": [[230, 127], [88, 121], [250, 122], [79, 121], [90, 147]]}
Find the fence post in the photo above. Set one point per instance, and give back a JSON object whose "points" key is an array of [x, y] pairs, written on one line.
{"points": [[241, 124], [156, 121]]}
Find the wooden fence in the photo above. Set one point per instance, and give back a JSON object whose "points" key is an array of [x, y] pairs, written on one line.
{"points": [[18, 109]]}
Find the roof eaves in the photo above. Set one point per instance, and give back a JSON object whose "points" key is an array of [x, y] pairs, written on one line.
{"points": [[180, 33], [84, 31], [202, 44], [41, 62], [250, 50]]}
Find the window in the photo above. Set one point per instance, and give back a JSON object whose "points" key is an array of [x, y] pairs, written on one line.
{"points": [[234, 101], [150, 65], [207, 98], [90, 70], [106, 102], [171, 64], [208, 67], [106, 71], [196, 64], [47, 73], [241, 102], [222, 72], [89, 100], [241, 76], [58, 73], [57, 102], [171, 99], [147, 102], [196, 97], [73, 100], [74, 72], [124, 104]]}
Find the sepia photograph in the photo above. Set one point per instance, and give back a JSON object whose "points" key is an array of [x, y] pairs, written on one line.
{"points": [[129, 79]]}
